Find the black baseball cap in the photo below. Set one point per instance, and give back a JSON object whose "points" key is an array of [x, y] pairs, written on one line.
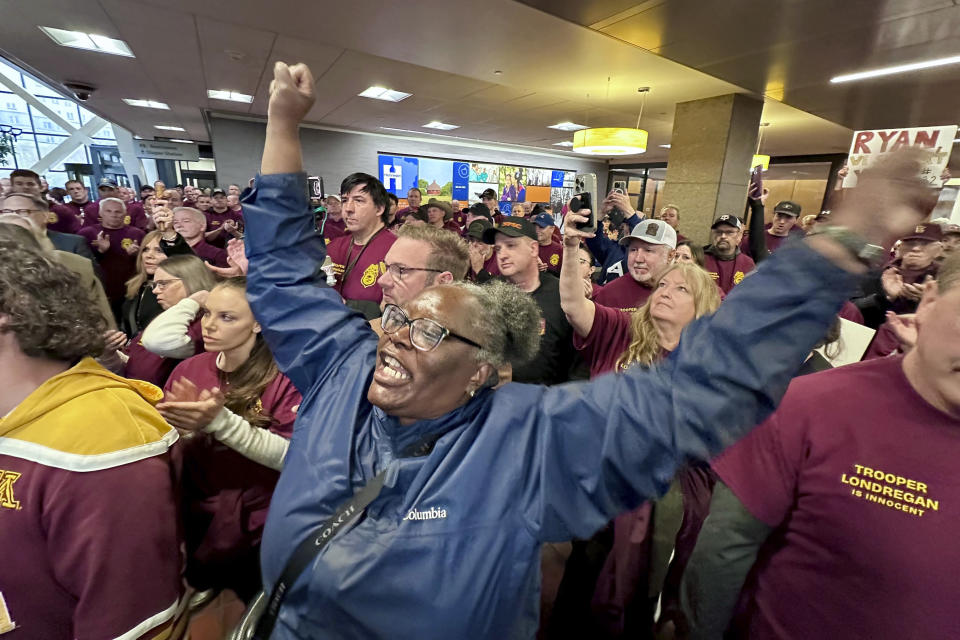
{"points": [[219, 191], [480, 209], [787, 207], [478, 227], [732, 221], [488, 193], [513, 226], [108, 183]]}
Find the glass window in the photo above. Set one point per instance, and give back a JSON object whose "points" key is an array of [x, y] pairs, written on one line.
{"points": [[63, 108], [10, 71], [37, 89], [13, 111], [56, 178], [26, 151], [49, 143], [106, 133]]}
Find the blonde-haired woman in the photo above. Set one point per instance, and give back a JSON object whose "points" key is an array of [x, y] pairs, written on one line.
{"points": [[612, 340]]}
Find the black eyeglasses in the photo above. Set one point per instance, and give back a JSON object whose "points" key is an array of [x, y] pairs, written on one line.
{"points": [[397, 271], [425, 334]]}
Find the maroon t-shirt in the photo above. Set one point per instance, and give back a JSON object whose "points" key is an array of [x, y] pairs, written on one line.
{"points": [[912, 276], [209, 253], [63, 219], [609, 337], [552, 256], [136, 216], [226, 494], [849, 311], [333, 229], [88, 213], [361, 283], [728, 273], [452, 226], [146, 365], [885, 343], [118, 266], [215, 219], [624, 293], [859, 474]]}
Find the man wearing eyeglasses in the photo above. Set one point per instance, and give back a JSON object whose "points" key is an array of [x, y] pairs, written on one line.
{"points": [[31, 206], [518, 250], [723, 260], [421, 257]]}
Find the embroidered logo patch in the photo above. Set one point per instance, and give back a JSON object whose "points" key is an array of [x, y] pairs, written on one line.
{"points": [[738, 277], [7, 480], [126, 243], [126, 219], [554, 260]]}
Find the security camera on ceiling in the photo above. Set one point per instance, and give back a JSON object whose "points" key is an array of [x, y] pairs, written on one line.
{"points": [[81, 90]]}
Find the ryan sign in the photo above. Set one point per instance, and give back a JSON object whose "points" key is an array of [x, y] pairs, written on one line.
{"points": [[868, 146]]}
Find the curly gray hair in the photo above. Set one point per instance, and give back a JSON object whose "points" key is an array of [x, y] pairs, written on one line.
{"points": [[508, 321]]}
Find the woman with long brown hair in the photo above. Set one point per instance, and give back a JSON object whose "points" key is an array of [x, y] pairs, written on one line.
{"points": [[238, 411]]}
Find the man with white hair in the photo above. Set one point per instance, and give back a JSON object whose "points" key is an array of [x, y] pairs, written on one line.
{"points": [[190, 224], [115, 245], [650, 249]]}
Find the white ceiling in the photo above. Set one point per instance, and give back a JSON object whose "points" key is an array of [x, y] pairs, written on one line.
{"points": [[443, 52]]}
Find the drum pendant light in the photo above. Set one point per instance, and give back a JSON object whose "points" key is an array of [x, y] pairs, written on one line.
{"points": [[613, 141]]}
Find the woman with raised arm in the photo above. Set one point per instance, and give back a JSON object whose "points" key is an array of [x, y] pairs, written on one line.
{"points": [[459, 485]]}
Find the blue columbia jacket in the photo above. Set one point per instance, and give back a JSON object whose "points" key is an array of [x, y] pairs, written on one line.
{"points": [[451, 547]]}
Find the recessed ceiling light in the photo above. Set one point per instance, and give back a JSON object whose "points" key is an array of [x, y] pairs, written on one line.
{"points": [[379, 93], [88, 42], [664, 146], [150, 104], [179, 140], [436, 124], [168, 127], [565, 143], [232, 96], [900, 68], [567, 126]]}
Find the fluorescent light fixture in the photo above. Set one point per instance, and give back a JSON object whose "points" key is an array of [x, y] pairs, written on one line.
{"points": [[565, 143], [436, 124], [168, 127], [88, 42], [664, 146], [900, 68], [379, 93], [232, 96], [150, 104], [567, 126], [179, 140], [956, 141]]}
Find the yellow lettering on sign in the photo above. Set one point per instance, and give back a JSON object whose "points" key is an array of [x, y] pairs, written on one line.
{"points": [[7, 479]]}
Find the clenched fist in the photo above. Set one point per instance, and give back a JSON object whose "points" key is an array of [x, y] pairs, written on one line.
{"points": [[291, 93]]}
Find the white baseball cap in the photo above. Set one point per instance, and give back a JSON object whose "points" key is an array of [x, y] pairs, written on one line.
{"points": [[654, 232]]}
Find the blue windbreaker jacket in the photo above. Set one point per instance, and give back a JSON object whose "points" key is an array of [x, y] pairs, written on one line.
{"points": [[450, 548]]}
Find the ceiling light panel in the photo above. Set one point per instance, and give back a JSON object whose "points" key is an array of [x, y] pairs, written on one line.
{"points": [[900, 68], [379, 93], [567, 126], [168, 127], [88, 42], [149, 104], [441, 125], [232, 96]]}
